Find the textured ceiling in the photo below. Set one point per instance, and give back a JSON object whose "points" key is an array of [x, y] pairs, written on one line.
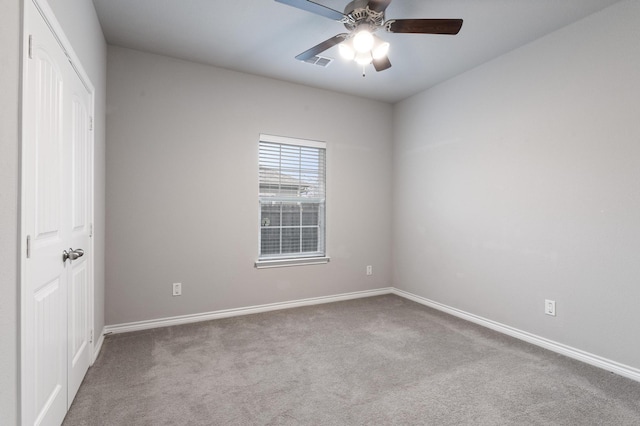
{"points": [[262, 37]]}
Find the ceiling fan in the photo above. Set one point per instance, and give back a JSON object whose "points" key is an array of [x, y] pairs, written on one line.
{"points": [[363, 18]]}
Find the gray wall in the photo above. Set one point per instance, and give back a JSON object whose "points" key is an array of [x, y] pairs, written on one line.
{"points": [[10, 28], [520, 181], [182, 185]]}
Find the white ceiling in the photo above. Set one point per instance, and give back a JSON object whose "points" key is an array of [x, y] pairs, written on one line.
{"points": [[262, 37]]}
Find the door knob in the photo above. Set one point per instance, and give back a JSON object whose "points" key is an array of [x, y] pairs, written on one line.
{"points": [[72, 254]]}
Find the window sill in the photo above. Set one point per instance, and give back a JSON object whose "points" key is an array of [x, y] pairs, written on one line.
{"points": [[299, 261]]}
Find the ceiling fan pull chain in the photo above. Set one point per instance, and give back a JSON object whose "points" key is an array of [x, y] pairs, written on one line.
{"points": [[363, 70]]}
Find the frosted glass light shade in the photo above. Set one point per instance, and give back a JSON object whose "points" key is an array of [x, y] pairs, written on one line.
{"points": [[381, 50], [346, 51], [363, 41], [364, 58]]}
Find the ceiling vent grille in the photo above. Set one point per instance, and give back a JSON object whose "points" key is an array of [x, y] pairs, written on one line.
{"points": [[321, 61]]}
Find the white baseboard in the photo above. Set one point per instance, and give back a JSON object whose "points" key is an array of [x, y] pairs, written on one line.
{"points": [[586, 357], [98, 346], [226, 313]]}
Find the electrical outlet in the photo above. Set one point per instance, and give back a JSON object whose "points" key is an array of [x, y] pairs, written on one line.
{"points": [[369, 270], [177, 289], [550, 307]]}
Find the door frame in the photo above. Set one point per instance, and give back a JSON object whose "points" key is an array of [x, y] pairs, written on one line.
{"points": [[44, 9]]}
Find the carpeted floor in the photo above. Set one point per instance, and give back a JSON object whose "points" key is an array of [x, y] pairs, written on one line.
{"points": [[374, 361]]}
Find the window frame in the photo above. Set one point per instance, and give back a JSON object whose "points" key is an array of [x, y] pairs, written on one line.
{"points": [[301, 258]]}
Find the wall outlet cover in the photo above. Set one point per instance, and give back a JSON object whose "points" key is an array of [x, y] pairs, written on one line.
{"points": [[550, 307], [177, 289]]}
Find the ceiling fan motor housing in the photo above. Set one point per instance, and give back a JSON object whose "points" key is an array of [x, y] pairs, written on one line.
{"points": [[358, 14]]}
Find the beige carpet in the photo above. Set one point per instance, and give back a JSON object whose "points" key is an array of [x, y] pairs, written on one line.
{"points": [[374, 361]]}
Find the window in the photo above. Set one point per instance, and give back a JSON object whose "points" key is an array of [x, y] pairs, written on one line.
{"points": [[292, 201]]}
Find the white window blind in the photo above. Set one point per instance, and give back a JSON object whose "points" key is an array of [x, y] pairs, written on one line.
{"points": [[291, 198]]}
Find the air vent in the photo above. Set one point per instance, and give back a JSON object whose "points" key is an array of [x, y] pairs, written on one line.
{"points": [[321, 61]]}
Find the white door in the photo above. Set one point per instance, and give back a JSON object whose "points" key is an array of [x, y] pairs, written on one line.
{"points": [[56, 204], [79, 270]]}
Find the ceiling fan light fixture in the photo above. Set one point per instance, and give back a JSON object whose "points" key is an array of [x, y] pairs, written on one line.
{"points": [[364, 58], [363, 41], [347, 51]]}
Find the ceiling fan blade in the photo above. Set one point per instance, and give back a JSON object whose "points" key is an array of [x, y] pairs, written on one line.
{"points": [[424, 26], [316, 8], [382, 64], [378, 5], [319, 48]]}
